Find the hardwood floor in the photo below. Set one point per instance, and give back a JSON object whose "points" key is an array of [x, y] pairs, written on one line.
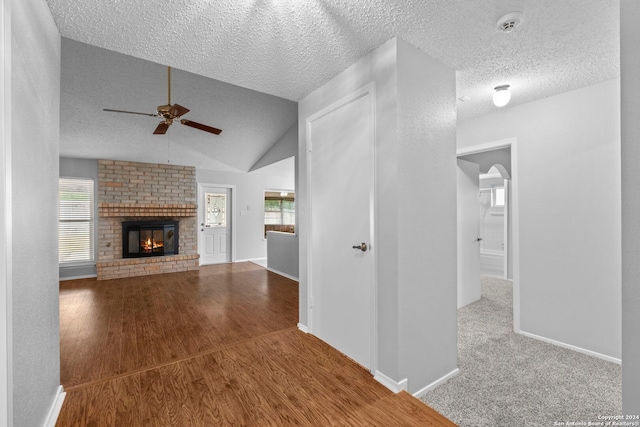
{"points": [[209, 348]]}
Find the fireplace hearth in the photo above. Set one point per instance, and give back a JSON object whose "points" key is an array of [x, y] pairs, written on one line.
{"points": [[149, 238]]}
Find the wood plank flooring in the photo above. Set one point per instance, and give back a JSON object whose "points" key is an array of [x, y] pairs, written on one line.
{"points": [[211, 348]]}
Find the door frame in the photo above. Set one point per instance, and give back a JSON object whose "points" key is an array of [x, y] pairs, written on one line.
{"points": [[232, 196], [366, 90], [514, 207]]}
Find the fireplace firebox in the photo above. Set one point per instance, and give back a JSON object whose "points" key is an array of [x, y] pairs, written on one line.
{"points": [[149, 238]]}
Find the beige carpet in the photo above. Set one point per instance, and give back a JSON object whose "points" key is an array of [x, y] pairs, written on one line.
{"points": [[507, 379]]}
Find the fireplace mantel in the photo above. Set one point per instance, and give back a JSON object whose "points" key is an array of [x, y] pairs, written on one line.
{"points": [[146, 210]]}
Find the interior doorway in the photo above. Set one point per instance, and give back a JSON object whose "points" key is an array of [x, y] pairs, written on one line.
{"points": [[500, 187], [493, 222]]}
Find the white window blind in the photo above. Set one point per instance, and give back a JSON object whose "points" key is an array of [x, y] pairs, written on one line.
{"points": [[75, 227]]}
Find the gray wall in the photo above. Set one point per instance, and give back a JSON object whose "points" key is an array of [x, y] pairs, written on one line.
{"points": [[82, 168], [282, 253], [6, 405], [630, 81], [285, 147], [35, 138], [415, 155], [568, 164], [427, 217]]}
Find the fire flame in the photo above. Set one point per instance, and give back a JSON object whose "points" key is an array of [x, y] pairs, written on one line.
{"points": [[150, 245]]}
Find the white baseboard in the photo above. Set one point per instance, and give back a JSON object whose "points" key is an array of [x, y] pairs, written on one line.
{"points": [[394, 386], [54, 411], [418, 394], [288, 276], [88, 276], [303, 328], [571, 347]]}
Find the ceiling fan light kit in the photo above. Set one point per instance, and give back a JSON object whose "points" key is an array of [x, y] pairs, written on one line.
{"points": [[170, 113]]}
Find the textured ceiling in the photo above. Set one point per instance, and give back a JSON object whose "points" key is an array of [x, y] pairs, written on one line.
{"points": [[288, 48]]}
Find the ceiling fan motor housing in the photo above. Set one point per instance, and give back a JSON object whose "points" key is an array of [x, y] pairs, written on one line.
{"points": [[164, 111]]}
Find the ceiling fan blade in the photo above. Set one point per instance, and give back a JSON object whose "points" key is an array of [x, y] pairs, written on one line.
{"points": [[200, 126], [129, 112], [161, 129], [178, 110]]}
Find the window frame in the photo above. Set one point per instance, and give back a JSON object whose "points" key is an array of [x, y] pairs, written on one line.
{"points": [[266, 197], [92, 221]]}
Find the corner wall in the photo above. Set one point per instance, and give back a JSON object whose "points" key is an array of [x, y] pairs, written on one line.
{"points": [[427, 218], [35, 105], [630, 81], [416, 266], [569, 212]]}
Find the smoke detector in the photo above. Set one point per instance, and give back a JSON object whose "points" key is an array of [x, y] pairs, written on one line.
{"points": [[509, 22]]}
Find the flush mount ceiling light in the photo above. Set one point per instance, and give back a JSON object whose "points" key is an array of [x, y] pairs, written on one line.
{"points": [[509, 22], [501, 96]]}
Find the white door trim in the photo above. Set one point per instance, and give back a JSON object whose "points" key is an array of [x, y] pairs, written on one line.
{"points": [[367, 90], [232, 194], [6, 279], [515, 213], [507, 212]]}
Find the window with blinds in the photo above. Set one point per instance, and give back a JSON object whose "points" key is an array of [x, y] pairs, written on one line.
{"points": [[75, 227]]}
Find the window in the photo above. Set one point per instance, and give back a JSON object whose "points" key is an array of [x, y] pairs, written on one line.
{"points": [[75, 226], [497, 197], [279, 211], [216, 206]]}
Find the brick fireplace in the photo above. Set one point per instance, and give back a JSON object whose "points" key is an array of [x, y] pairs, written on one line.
{"points": [[130, 191]]}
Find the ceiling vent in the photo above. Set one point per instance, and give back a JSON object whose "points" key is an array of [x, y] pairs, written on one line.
{"points": [[509, 22]]}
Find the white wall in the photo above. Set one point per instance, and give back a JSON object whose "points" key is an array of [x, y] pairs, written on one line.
{"points": [[630, 81], [250, 187], [415, 155], [569, 204], [35, 69]]}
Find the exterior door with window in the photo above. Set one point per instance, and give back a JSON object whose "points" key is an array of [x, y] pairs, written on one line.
{"points": [[214, 238]]}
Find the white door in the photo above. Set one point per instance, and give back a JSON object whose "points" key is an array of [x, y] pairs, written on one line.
{"points": [[341, 197], [214, 240], [468, 228]]}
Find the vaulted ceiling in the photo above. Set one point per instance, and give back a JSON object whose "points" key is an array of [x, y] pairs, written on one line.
{"points": [[288, 48]]}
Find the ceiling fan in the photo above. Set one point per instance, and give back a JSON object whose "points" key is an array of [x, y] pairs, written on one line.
{"points": [[170, 113]]}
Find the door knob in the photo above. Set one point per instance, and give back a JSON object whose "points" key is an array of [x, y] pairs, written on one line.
{"points": [[362, 247], [479, 239]]}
